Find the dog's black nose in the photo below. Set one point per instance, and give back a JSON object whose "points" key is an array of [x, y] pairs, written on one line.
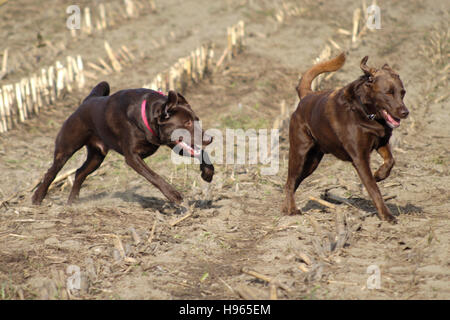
{"points": [[404, 113]]}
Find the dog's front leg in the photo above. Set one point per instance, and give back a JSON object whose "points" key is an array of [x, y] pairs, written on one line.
{"points": [[361, 163], [385, 169], [135, 162]]}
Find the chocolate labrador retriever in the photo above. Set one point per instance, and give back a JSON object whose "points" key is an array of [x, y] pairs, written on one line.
{"points": [[349, 123], [134, 123]]}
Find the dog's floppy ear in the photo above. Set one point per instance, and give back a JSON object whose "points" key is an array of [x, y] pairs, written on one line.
{"points": [[367, 71]]}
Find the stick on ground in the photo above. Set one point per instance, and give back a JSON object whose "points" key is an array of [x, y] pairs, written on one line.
{"points": [[183, 218], [304, 257], [229, 287], [264, 278], [273, 292], [62, 177], [222, 58], [323, 202], [119, 246]]}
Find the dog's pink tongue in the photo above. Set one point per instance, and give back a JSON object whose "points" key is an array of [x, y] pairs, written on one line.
{"points": [[391, 120]]}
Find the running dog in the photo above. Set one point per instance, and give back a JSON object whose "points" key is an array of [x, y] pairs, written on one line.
{"points": [[134, 123], [349, 123]]}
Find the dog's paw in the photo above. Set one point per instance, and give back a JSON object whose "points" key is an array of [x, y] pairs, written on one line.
{"points": [[380, 175], [36, 200], [390, 218], [294, 212], [73, 198], [71, 201], [175, 196], [291, 212]]}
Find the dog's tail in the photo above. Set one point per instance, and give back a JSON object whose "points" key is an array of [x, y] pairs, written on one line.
{"points": [[304, 86], [100, 90]]}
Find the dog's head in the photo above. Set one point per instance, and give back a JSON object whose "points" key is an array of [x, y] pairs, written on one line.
{"points": [[178, 123], [383, 91], [180, 129]]}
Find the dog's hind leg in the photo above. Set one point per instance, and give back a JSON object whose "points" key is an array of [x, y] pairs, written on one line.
{"points": [[304, 157], [59, 160], [300, 170], [313, 159], [70, 139], [93, 161], [385, 169]]}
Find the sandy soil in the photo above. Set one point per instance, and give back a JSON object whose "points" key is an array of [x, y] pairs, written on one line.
{"points": [[237, 222]]}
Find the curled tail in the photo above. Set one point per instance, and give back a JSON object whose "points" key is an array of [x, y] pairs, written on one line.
{"points": [[100, 90], [304, 86]]}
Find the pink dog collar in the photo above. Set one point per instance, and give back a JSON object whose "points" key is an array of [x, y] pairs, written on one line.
{"points": [[144, 117]]}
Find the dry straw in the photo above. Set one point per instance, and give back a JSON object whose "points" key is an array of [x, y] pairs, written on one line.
{"points": [[25, 98], [199, 63]]}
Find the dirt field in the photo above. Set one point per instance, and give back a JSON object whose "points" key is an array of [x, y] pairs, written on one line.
{"points": [[237, 222]]}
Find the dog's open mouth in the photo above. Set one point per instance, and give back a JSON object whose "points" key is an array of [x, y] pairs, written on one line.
{"points": [[390, 120], [194, 152]]}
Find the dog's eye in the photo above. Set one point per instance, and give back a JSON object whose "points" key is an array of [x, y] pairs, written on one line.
{"points": [[403, 92], [391, 91]]}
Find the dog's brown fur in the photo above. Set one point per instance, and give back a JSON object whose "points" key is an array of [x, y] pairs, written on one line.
{"points": [[349, 123], [103, 122]]}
